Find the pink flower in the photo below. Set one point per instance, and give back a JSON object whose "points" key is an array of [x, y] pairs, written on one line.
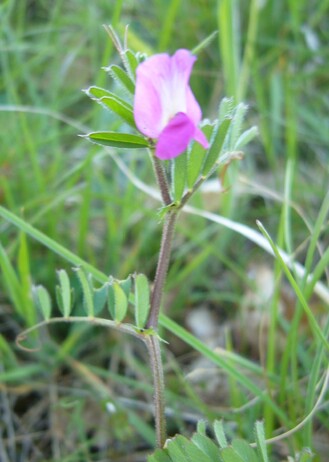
{"points": [[165, 108]]}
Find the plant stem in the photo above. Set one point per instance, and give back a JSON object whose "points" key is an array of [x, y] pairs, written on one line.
{"points": [[153, 346], [162, 268], [152, 341], [125, 328], [166, 240], [161, 179]]}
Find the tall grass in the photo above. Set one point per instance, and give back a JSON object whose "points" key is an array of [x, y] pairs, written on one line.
{"points": [[67, 203]]}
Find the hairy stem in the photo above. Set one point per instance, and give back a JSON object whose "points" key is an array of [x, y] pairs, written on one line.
{"points": [[162, 180], [152, 341], [125, 328], [153, 346], [162, 268]]}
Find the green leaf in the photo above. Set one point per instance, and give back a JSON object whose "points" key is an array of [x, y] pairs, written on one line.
{"points": [[236, 127], [244, 450], [11, 280], [111, 301], [131, 63], [118, 74], [246, 137], [196, 156], [207, 446], [179, 175], [59, 301], [88, 302], [126, 286], [220, 434], [96, 93], [43, 301], [216, 145], [100, 297], [202, 427], [306, 455], [112, 102], [142, 300], [64, 293], [229, 455], [191, 453], [117, 140], [260, 440], [175, 450], [120, 108], [226, 109], [160, 455], [120, 302], [195, 454]]}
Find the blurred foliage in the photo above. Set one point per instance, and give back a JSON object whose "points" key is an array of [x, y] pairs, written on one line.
{"points": [[271, 54]]}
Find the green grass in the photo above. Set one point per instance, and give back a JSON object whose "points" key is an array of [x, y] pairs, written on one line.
{"points": [[65, 202]]}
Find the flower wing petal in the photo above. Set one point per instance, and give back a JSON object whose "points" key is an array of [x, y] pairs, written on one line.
{"points": [[151, 77], [192, 107], [175, 137], [183, 99], [181, 64]]}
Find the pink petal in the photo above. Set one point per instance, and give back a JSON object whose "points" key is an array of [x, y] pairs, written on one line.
{"points": [[162, 91], [151, 76], [192, 107], [181, 97], [182, 63], [175, 138]]}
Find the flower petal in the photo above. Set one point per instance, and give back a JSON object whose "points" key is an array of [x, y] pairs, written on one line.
{"points": [[182, 63], [162, 91], [151, 77], [192, 107], [178, 85], [175, 138]]}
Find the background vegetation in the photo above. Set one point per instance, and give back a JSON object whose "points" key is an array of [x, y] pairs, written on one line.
{"points": [[57, 403]]}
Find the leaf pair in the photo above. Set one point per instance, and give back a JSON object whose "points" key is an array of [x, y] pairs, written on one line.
{"points": [[124, 110], [119, 296], [110, 101], [114, 294], [93, 299], [202, 448], [195, 166], [64, 297]]}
